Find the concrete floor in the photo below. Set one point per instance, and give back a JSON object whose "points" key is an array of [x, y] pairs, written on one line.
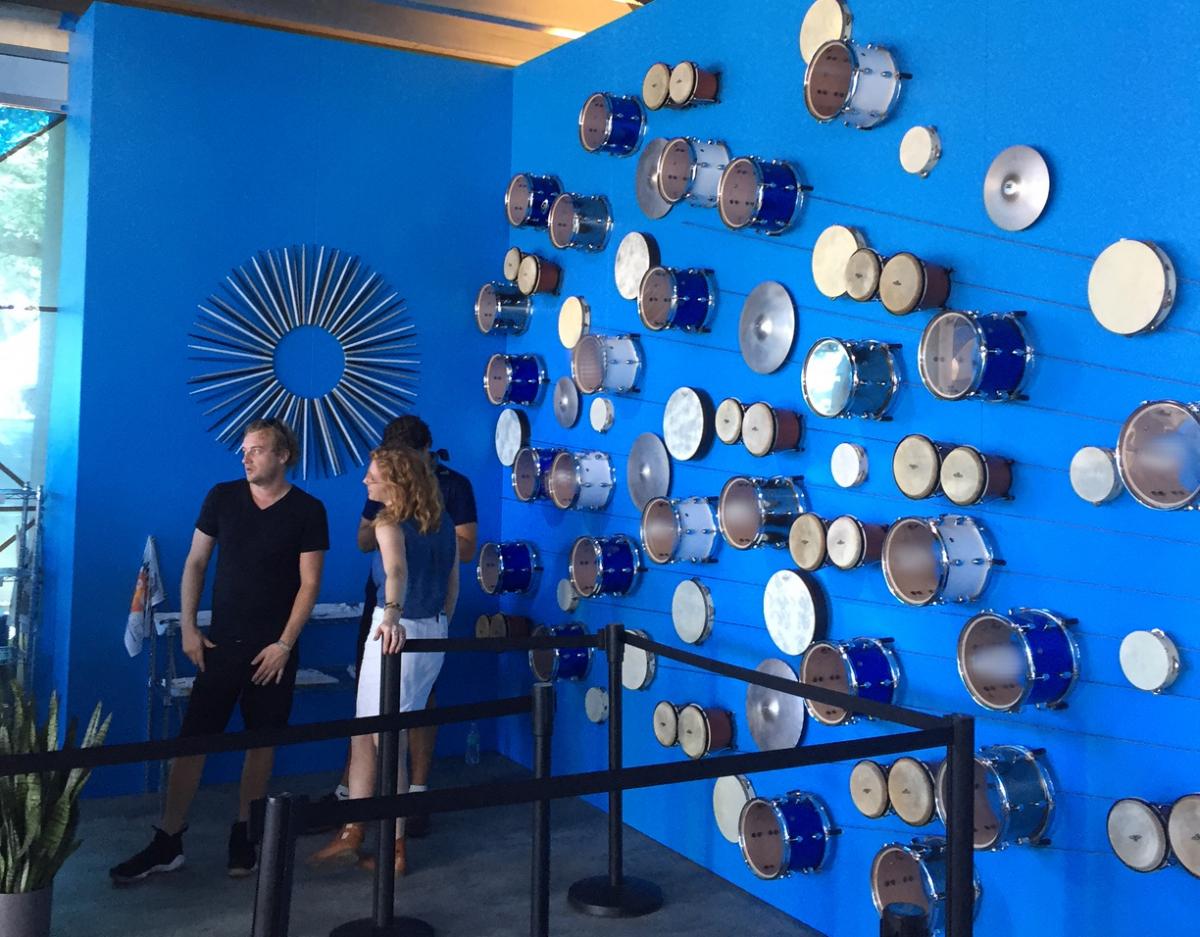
{"points": [[470, 878]]}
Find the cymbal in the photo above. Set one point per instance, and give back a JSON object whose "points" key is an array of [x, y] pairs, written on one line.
{"points": [[776, 719], [767, 327], [1016, 188], [651, 202], [649, 470], [566, 402]]}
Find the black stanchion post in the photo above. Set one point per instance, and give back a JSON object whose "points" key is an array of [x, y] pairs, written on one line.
{"points": [[615, 894], [960, 831], [383, 921], [276, 863], [901, 919], [543, 731]]}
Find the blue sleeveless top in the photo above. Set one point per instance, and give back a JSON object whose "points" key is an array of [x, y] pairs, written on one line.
{"points": [[430, 558]]}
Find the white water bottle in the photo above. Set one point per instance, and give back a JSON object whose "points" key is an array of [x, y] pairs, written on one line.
{"points": [[473, 745]]}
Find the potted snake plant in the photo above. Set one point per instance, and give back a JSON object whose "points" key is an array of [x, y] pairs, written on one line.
{"points": [[39, 813]]}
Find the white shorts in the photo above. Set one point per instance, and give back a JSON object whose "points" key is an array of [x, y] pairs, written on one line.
{"points": [[417, 671]]}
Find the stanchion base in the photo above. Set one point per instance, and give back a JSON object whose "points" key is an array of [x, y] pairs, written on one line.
{"points": [[634, 897], [400, 927]]}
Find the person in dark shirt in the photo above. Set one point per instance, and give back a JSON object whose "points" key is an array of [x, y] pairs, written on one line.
{"points": [[270, 539]]}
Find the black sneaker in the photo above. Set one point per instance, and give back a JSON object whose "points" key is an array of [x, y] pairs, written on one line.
{"points": [[164, 854], [417, 827], [243, 857]]}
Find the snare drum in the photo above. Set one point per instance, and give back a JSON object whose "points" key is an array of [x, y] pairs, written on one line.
{"points": [[915, 875], [595, 704], [574, 321], [869, 790], [637, 666], [761, 194], [611, 123], [917, 466], [691, 169], [908, 283], [656, 93], [863, 270], [1137, 833], [864, 667], [753, 512], [610, 363], [1183, 831], [666, 723], [512, 263], [583, 480], [936, 559], [692, 611], [1094, 475], [531, 473], [604, 565], [536, 275], [965, 354], [850, 543], [1131, 287], [849, 378], [806, 542], [676, 299], [858, 83], [1158, 454], [969, 477], [687, 423], [766, 430], [728, 420], [514, 379], [580, 221], [1026, 657], [500, 307], [704, 730], [680, 530], [561, 663], [507, 567], [690, 84], [1149, 660], [910, 791], [510, 626], [786, 835], [730, 795], [528, 199], [1014, 797], [795, 610]]}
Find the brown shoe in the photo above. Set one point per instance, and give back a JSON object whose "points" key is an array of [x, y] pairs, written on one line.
{"points": [[401, 864], [343, 847]]}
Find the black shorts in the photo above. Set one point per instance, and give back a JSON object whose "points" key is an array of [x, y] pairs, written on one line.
{"points": [[226, 681]]}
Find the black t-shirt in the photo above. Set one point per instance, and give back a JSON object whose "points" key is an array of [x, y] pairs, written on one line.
{"points": [[457, 494], [258, 558]]}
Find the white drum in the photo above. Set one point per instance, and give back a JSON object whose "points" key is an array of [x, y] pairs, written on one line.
{"points": [[910, 791], [728, 421], [806, 542], [610, 363], [680, 531], [692, 611], [512, 435], [795, 611], [637, 666], [936, 559], [1149, 660], [848, 465], [730, 795], [690, 169], [636, 254], [1183, 831], [850, 543], [666, 723], [656, 86], [1094, 475], [1137, 833], [859, 83], [920, 150], [869, 789], [583, 480], [824, 20], [1158, 454], [574, 320], [595, 704], [1131, 287], [687, 423]]}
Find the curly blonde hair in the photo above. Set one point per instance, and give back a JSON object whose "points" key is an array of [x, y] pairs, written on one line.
{"points": [[410, 489]]}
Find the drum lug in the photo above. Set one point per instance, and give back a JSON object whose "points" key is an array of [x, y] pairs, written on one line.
{"points": [[904, 76]]}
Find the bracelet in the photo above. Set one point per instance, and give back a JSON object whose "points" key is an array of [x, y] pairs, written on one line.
{"points": [[283, 644], [396, 605]]}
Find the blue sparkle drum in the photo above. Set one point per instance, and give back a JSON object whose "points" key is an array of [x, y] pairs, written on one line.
{"points": [[681, 530], [1024, 658], [863, 667], [915, 874], [611, 123], [761, 194], [604, 565], [515, 379], [582, 222], [785, 835], [965, 354], [1014, 797], [502, 308], [677, 299], [583, 480], [506, 567], [560, 663], [849, 378], [531, 473], [528, 199]]}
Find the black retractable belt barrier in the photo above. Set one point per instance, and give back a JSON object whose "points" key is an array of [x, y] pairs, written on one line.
{"points": [[543, 730], [276, 864], [615, 895]]}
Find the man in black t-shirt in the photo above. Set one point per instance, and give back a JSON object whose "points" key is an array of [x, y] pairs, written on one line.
{"points": [[271, 540]]}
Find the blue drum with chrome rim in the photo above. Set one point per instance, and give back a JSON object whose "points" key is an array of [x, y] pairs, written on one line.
{"points": [[507, 567], [514, 379], [528, 199], [865, 667], [765, 195], [561, 663], [785, 835], [677, 299], [611, 123], [531, 472], [604, 565], [965, 354], [1026, 657]]}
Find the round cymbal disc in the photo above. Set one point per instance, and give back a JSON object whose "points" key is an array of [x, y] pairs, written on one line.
{"points": [[831, 253], [566, 402], [825, 21], [649, 470], [636, 254], [776, 719], [1016, 188], [652, 204], [767, 327]]}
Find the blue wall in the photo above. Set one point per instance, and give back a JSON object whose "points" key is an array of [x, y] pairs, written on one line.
{"points": [[192, 145], [988, 75]]}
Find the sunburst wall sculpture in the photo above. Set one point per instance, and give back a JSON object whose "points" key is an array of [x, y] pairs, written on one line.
{"points": [[314, 337]]}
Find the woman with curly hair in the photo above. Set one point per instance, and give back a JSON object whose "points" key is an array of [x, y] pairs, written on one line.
{"points": [[418, 554]]}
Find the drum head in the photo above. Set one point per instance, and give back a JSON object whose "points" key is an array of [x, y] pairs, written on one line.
{"points": [[868, 789], [655, 86], [526, 475], [739, 514], [666, 723], [737, 193], [648, 473], [517, 199], [992, 662], [601, 414], [562, 220], [831, 253], [483, 626], [1183, 830], [916, 466], [566, 402], [528, 273], [730, 414], [637, 665], [902, 284], [730, 795], [825, 21], [848, 465], [1149, 660], [863, 270], [776, 720], [1137, 834], [912, 561], [543, 660], [767, 327], [655, 293], [660, 530], [566, 596], [1094, 475], [910, 790], [593, 122], [806, 542], [512, 434], [685, 423], [675, 169], [589, 362], [486, 307], [512, 265], [562, 483], [1158, 453], [636, 254], [692, 611], [844, 542], [794, 609], [683, 83], [649, 199], [824, 666], [761, 839], [829, 79], [496, 379], [595, 704], [585, 571], [963, 476], [759, 429], [489, 568], [693, 731], [950, 356], [898, 877], [574, 319], [920, 150], [828, 378], [1131, 287]]}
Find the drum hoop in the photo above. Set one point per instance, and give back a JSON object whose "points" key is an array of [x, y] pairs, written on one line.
{"points": [[979, 354], [808, 72], [1026, 650], [741, 419], [943, 573], [928, 774], [574, 457], [695, 84], [785, 844], [528, 176], [840, 648], [854, 379], [1156, 811], [1191, 410], [673, 303], [662, 158], [608, 119], [862, 540]]}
